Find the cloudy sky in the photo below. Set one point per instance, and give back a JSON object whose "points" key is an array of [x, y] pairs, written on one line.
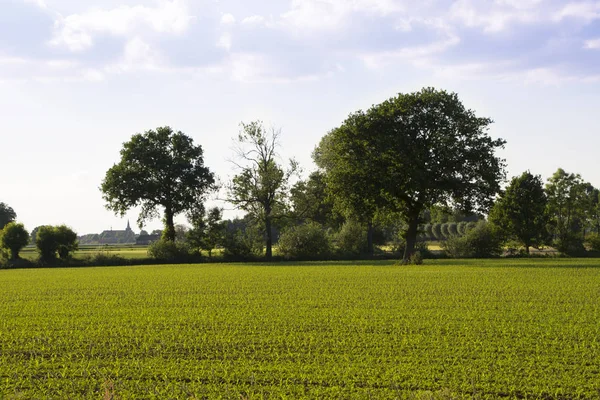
{"points": [[78, 78]]}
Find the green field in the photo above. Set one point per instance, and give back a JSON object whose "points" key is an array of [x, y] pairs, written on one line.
{"points": [[125, 251], [448, 329]]}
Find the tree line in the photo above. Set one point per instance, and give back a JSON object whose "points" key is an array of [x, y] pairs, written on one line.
{"points": [[389, 174]]}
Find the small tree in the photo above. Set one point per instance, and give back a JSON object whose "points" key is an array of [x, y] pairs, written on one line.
{"points": [[520, 212], [67, 241], [47, 243], [208, 229], [261, 187], [51, 240], [14, 237]]}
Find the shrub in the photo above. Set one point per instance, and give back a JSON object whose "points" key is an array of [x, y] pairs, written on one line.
{"points": [[13, 238], [570, 243], [67, 241], [167, 250], [308, 241], [482, 241], [593, 241], [243, 244], [53, 239], [351, 240], [46, 243]]}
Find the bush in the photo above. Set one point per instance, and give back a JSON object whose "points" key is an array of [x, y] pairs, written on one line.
{"points": [[53, 239], [243, 244], [593, 241], [570, 243], [13, 238], [351, 240], [308, 241], [482, 241], [167, 250]]}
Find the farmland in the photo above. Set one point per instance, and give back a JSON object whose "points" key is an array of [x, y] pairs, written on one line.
{"points": [[448, 329]]}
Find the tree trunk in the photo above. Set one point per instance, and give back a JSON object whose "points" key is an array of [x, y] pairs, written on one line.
{"points": [[527, 249], [269, 250], [411, 236], [169, 233], [370, 248]]}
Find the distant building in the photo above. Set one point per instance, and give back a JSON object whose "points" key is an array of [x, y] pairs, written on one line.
{"points": [[118, 237]]}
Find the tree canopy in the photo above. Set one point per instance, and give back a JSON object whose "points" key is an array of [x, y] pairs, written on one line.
{"points": [[411, 152], [520, 212], [159, 168], [7, 214], [260, 188]]}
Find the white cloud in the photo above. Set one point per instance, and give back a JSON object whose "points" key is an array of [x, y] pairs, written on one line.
{"points": [[225, 41], [40, 3], [593, 44], [332, 14], [227, 19], [253, 20], [415, 55], [586, 11], [494, 17], [76, 31]]}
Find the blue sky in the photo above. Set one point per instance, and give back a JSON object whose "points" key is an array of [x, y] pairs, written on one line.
{"points": [[78, 78]]}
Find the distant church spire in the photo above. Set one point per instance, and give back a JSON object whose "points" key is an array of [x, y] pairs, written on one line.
{"points": [[128, 227]]}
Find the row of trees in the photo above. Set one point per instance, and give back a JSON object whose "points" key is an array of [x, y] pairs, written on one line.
{"points": [[52, 242], [563, 213], [395, 169], [400, 158]]}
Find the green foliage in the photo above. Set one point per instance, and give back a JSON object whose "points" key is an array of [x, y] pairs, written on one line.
{"points": [[446, 330], [7, 214], [311, 202], [307, 241], [461, 228], [593, 241], [13, 237], [159, 168], [483, 241], [520, 212], [261, 187], [351, 240], [243, 244], [51, 240], [208, 229], [396, 142], [169, 251], [567, 208]]}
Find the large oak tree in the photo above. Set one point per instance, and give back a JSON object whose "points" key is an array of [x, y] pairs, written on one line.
{"points": [[409, 153], [158, 169]]}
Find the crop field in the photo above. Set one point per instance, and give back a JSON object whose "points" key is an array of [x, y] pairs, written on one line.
{"points": [[445, 330]]}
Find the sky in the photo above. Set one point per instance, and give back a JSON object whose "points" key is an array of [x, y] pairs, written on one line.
{"points": [[79, 78]]}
